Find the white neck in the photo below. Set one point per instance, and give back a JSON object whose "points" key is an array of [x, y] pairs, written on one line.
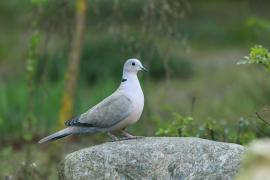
{"points": [[130, 83]]}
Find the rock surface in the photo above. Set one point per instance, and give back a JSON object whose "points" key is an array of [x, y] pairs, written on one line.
{"points": [[155, 158]]}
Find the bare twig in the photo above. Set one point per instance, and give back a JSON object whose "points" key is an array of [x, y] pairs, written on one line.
{"points": [[260, 117]]}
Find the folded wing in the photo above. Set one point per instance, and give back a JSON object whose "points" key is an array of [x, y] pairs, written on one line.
{"points": [[107, 113]]}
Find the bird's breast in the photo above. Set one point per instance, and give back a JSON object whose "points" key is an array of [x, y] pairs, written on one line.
{"points": [[137, 100]]}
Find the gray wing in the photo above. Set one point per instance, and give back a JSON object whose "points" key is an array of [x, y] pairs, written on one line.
{"points": [[107, 113]]}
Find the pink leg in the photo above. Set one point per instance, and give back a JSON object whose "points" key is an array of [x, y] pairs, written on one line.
{"points": [[113, 137]]}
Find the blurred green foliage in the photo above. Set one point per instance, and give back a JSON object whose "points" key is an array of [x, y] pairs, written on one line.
{"points": [[180, 126], [258, 24], [190, 48], [159, 34], [258, 55], [242, 132], [104, 57]]}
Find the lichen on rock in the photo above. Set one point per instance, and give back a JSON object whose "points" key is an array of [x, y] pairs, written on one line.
{"points": [[154, 158]]}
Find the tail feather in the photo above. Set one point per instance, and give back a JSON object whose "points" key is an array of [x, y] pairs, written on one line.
{"points": [[60, 134], [69, 131]]}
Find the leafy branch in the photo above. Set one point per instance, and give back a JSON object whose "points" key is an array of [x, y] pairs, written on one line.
{"points": [[257, 55]]}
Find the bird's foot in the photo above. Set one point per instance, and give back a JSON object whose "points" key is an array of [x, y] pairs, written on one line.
{"points": [[113, 137], [128, 136]]}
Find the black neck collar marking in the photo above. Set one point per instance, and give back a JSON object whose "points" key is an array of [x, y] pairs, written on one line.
{"points": [[123, 80]]}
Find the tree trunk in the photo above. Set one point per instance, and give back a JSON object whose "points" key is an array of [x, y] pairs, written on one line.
{"points": [[66, 110]]}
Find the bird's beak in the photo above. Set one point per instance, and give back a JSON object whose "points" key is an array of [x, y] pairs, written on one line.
{"points": [[144, 69]]}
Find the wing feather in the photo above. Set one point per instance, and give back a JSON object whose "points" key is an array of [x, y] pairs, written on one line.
{"points": [[107, 113]]}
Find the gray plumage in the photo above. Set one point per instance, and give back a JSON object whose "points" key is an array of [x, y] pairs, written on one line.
{"points": [[69, 131], [116, 112], [107, 113]]}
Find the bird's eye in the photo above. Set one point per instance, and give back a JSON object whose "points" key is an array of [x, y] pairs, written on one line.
{"points": [[133, 64]]}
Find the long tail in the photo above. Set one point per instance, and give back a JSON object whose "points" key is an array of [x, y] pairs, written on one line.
{"points": [[69, 131], [60, 134]]}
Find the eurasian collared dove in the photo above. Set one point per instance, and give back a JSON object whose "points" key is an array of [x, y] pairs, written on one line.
{"points": [[119, 110]]}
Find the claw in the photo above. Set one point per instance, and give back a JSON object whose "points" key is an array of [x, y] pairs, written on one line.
{"points": [[113, 137], [128, 136]]}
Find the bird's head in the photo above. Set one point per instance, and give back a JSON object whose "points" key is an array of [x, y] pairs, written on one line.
{"points": [[133, 66]]}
